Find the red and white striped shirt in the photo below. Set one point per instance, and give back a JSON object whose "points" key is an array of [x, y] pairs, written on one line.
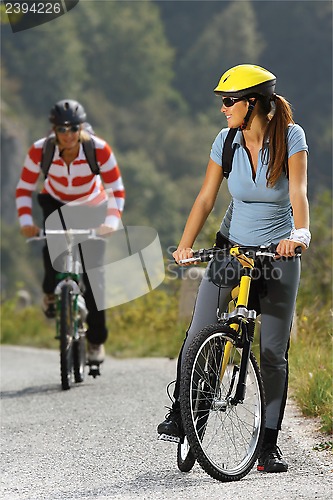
{"points": [[74, 182]]}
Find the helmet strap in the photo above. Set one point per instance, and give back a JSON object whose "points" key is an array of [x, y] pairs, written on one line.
{"points": [[248, 114]]}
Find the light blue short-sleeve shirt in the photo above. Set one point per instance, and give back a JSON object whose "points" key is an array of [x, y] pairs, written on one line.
{"points": [[257, 214]]}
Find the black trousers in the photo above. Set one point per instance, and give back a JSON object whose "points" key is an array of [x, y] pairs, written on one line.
{"points": [[97, 331]]}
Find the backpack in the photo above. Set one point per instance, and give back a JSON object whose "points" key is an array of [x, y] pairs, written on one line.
{"points": [[88, 148]]}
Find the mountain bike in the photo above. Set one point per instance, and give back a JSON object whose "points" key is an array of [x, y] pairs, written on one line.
{"points": [[71, 309], [221, 390]]}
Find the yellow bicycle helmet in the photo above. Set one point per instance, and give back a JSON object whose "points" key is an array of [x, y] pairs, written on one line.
{"points": [[246, 79]]}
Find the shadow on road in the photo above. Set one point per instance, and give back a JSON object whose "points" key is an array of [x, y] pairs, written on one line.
{"points": [[32, 391]]}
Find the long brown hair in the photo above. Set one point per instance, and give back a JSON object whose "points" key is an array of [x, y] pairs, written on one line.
{"points": [[276, 133]]}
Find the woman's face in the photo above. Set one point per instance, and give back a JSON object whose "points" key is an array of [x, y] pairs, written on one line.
{"points": [[67, 136], [235, 114]]}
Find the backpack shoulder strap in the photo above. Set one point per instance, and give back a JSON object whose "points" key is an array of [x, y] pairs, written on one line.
{"points": [[47, 154], [90, 152], [228, 152]]}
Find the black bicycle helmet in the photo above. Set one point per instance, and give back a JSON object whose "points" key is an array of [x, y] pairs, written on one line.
{"points": [[67, 112]]}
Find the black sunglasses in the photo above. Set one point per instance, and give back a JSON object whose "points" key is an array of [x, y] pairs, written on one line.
{"points": [[61, 129], [230, 101]]}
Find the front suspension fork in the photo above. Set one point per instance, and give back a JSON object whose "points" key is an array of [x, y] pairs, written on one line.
{"points": [[241, 386]]}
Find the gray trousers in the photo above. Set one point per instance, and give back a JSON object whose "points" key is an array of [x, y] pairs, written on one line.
{"points": [[273, 294]]}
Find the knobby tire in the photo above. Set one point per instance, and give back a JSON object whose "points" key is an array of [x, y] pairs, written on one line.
{"points": [[185, 457], [79, 358], [66, 337], [224, 437]]}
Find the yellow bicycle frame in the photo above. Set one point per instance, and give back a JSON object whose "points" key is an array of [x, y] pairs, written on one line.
{"points": [[241, 293]]}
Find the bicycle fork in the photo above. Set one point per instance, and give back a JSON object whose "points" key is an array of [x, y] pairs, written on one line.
{"points": [[241, 386], [246, 322], [78, 307]]}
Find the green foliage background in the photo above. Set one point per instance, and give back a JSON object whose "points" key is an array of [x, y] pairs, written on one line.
{"points": [[145, 71]]}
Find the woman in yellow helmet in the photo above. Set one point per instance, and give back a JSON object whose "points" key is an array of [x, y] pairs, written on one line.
{"points": [[268, 185]]}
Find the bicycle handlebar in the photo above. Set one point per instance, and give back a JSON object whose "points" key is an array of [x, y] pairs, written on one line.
{"points": [[205, 255], [202, 255], [92, 234], [71, 232]]}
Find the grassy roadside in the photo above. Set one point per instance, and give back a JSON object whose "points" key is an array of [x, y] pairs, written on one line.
{"points": [[311, 366]]}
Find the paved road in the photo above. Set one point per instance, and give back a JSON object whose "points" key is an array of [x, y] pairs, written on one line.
{"points": [[98, 440]]}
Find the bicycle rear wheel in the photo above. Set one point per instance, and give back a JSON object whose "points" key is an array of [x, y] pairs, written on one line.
{"points": [[185, 457], [224, 436], [66, 336]]}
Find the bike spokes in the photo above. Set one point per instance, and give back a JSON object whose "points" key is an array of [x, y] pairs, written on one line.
{"points": [[223, 432]]}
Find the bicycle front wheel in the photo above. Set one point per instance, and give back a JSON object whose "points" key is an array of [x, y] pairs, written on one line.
{"points": [[66, 336], [224, 435], [79, 358]]}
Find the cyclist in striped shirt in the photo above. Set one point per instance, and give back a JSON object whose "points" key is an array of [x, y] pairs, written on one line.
{"points": [[69, 180]]}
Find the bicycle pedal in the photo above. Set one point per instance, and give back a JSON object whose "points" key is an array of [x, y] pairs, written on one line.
{"points": [[170, 439], [94, 370]]}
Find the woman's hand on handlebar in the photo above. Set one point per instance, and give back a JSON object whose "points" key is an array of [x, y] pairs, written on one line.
{"points": [[286, 248], [30, 231], [182, 254]]}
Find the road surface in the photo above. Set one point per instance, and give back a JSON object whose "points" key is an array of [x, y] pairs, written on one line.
{"points": [[98, 440]]}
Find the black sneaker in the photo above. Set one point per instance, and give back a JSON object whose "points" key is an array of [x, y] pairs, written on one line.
{"points": [[171, 429], [270, 460]]}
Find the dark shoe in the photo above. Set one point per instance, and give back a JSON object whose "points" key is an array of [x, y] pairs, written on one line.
{"points": [[49, 305], [270, 460], [171, 429]]}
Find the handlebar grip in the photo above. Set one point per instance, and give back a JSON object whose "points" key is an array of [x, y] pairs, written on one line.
{"points": [[202, 255], [298, 250], [191, 259]]}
